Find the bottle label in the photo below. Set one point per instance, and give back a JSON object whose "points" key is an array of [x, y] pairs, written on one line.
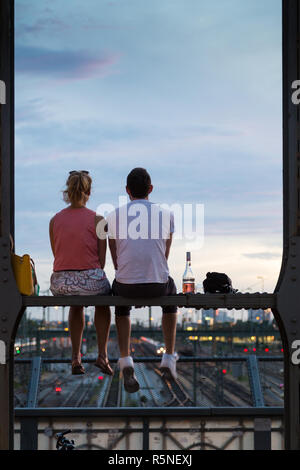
{"points": [[188, 287]]}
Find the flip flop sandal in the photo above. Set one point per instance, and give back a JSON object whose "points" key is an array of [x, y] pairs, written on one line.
{"points": [[103, 364], [78, 369]]}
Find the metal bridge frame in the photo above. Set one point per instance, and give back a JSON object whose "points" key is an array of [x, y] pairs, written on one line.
{"points": [[285, 301]]}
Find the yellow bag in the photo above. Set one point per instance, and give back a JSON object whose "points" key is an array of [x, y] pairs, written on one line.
{"points": [[24, 271]]}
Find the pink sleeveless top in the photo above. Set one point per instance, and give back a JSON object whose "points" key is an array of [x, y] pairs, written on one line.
{"points": [[75, 240]]}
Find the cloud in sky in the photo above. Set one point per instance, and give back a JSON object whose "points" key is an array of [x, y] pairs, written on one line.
{"points": [[47, 23], [63, 64], [264, 256]]}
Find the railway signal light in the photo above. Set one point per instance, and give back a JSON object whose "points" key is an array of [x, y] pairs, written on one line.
{"points": [[58, 389], [267, 350], [224, 371], [245, 350], [100, 377]]}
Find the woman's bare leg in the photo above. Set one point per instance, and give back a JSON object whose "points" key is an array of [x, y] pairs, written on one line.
{"points": [[102, 325], [76, 326]]}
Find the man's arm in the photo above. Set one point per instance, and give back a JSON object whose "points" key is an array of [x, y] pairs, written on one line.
{"points": [[113, 251], [168, 245]]}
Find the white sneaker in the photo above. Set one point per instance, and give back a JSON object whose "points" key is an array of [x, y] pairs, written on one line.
{"points": [[131, 384], [168, 366]]}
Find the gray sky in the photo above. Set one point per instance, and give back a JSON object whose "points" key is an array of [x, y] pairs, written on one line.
{"points": [[191, 90]]}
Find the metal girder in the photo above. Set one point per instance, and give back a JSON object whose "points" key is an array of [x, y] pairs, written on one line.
{"points": [[11, 303], [137, 333], [206, 301], [254, 381], [262, 434], [228, 412], [36, 364], [149, 359], [286, 311]]}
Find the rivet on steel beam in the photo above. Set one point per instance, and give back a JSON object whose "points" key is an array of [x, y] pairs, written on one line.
{"points": [[5, 279], [293, 279], [4, 330], [4, 318], [293, 267]]}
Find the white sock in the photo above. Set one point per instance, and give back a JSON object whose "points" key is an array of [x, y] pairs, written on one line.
{"points": [[169, 356], [125, 362]]}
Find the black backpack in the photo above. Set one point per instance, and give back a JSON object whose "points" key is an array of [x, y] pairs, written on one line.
{"points": [[218, 283]]}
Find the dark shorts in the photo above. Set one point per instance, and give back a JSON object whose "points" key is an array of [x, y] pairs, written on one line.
{"points": [[134, 291]]}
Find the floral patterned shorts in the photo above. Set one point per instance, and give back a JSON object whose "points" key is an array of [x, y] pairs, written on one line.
{"points": [[87, 282]]}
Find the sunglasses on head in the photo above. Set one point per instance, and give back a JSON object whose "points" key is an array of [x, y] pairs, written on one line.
{"points": [[81, 171]]}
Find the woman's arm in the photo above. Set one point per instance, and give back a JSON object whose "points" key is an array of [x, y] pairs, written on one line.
{"points": [[101, 228], [52, 236]]}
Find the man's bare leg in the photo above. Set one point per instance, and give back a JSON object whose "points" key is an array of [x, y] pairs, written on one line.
{"points": [[123, 325], [169, 321], [168, 363]]}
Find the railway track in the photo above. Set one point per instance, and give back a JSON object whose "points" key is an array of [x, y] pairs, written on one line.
{"points": [[112, 396], [179, 397]]}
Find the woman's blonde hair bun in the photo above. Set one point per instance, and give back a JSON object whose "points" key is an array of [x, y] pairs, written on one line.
{"points": [[78, 188]]}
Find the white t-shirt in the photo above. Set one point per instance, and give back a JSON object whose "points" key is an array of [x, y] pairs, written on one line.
{"points": [[141, 229]]}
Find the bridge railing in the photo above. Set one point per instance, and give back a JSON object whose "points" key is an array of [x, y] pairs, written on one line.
{"points": [[165, 428], [151, 428]]}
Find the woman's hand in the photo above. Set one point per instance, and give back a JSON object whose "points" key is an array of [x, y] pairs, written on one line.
{"points": [[101, 230], [12, 245]]}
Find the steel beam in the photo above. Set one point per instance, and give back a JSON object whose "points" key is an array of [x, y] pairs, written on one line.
{"points": [[29, 433], [33, 390], [220, 412], [287, 290], [11, 302], [150, 359], [206, 301], [254, 381], [262, 434]]}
